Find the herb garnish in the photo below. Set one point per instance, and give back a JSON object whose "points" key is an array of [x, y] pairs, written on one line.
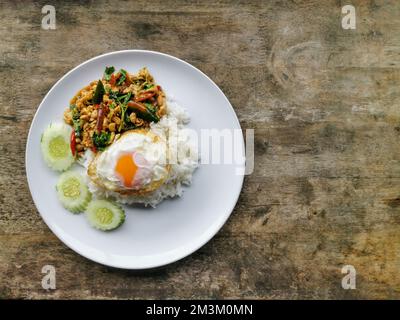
{"points": [[100, 140], [108, 72], [98, 93], [77, 124], [122, 77]]}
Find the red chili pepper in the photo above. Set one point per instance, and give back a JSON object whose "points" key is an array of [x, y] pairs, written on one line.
{"points": [[73, 143], [137, 106], [128, 80], [113, 79], [144, 96], [96, 106], [100, 118], [93, 148]]}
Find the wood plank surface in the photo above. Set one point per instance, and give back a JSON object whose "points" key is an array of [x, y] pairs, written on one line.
{"points": [[324, 103]]}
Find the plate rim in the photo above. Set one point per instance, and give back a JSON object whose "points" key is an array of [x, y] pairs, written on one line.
{"points": [[203, 240]]}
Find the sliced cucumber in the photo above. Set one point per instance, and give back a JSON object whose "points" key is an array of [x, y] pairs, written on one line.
{"points": [[55, 143], [105, 215], [73, 192]]}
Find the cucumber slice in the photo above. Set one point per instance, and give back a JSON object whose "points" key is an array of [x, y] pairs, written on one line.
{"points": [[73, 192], [105, 215], [56, 147]]}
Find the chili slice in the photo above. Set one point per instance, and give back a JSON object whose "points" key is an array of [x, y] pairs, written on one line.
{"points": [[137, 106], [144, 96], [100, 118], [113, 80], [73, 143], [128, 80]]}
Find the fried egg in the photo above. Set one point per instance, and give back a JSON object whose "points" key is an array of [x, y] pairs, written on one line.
{"points": [[134, 164]]}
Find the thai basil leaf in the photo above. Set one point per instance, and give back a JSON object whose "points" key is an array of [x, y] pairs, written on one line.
{"points": [[148, 86], [77, 123], [122, 77], [100, 140], [108, 72], [98, 93]]}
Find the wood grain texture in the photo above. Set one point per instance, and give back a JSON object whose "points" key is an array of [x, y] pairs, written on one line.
{"points": [[324, 105]]}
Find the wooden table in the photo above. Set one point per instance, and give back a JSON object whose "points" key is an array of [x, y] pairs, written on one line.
{"points": [[323, 101]]}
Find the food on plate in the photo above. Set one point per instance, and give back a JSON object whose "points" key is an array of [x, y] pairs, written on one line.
{"points": [[73, 192], [119, 102], [105, 215], [55, 145], [150, 175], [131, 141]]}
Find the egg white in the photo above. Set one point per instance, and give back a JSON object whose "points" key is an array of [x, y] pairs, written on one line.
{"points": [[151, 151]]}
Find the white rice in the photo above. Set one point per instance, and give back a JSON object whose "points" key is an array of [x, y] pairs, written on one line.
{"points": [[172, 124]]}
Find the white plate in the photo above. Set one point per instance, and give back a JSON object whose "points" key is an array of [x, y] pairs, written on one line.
{"points": [[176, 228]]}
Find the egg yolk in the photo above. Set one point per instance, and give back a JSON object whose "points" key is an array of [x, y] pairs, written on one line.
{"points": [[126, 169]]}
